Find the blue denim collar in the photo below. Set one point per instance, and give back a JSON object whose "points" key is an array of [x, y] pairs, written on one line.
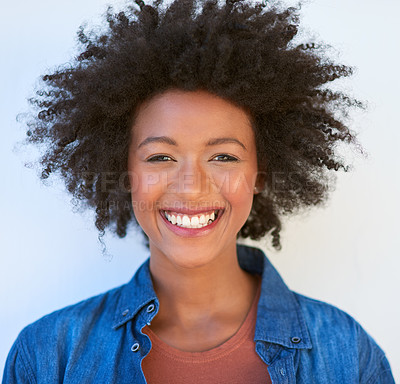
{"points": [[135, 295], [279, 316]]}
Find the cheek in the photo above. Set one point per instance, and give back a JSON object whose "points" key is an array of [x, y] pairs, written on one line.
{"points": [[144, 204], [141, 195], [146, 185], [237, 187]]}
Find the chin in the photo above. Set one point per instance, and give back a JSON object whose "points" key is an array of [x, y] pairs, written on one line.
{"points": [[186, 257]]}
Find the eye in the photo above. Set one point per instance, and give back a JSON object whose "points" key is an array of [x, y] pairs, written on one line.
{"points": [[226, 158], [159, 158]]}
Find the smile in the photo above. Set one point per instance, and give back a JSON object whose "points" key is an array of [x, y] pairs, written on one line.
{"points": [[191, 225], [192, 221]]}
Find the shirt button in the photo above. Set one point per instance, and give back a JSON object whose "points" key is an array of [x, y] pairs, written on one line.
{"points": [[135, 347], [125, 312], [282, 371], [150, 308], [295, 339]]}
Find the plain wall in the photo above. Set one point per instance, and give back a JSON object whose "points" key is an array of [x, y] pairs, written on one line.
{"points": [[345, 254]]}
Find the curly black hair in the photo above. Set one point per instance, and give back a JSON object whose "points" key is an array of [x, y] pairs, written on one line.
{"points": [[240, 51]]}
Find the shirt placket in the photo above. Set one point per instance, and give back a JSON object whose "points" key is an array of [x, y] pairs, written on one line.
{"points": [[141, 343], [280, 362]]}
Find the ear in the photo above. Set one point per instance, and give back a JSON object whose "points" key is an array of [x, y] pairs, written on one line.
{"points": [[260, 183]]}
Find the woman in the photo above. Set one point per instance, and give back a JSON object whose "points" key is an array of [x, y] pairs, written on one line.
{"points": [[178, 119]]}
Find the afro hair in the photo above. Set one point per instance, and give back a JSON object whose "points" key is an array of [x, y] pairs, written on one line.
{"points": [[241, 51]]}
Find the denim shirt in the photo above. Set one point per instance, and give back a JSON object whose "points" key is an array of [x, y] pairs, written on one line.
{"points": [[99, 340]]}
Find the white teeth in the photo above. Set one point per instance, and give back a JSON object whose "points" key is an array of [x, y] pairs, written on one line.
{"points": [[193, 222], [185, 221]]}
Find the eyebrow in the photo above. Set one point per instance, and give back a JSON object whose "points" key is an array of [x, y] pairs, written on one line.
{"points": [[168, 140]]}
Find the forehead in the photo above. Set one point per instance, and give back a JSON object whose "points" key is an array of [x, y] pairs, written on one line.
{"points": [[191, 114]]}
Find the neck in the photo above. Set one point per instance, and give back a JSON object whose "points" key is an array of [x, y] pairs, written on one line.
{"points": [[191, 297]]}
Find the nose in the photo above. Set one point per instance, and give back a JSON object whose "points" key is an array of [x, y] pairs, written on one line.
{"points": [[191, 179]]}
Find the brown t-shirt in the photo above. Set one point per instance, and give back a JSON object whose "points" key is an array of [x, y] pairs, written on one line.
{"points": [[233, 362]]}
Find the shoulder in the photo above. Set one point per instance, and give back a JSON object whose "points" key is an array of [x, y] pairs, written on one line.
{"points": [[66, 342], [47, 344], [86, 313], [336, 335], [322, 314]]}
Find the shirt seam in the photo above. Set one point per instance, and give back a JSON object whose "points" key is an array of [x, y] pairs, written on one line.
{"points": [[26, 363], [377, 373]]}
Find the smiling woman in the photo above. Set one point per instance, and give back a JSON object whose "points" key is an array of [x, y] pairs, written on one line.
{"points": [[192, 186], [206, 161], [200, 104]]}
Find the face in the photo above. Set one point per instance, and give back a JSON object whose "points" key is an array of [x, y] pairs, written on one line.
{"points": [[192, 166]]}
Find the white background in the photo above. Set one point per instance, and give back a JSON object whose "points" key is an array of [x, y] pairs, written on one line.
{"points": [[345, 254]]}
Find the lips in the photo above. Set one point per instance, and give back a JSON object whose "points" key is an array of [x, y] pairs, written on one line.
{"points": [[197, 224]]}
